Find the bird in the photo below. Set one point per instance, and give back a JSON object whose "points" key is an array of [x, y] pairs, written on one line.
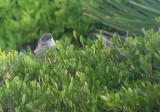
{"points": [[45, 40]]}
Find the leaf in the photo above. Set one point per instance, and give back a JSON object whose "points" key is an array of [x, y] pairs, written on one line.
{"points": [[71, 48], [75, 96], [107, 69], [30, 106], [81, 76], [133, 68], [143, 84], [105, 98], [137, 52], [7, 83], [23, 99], [109, 104], [130, 91], [57, 44], [1, 108], [70, 85], [19, 84], [81, 40], [74, 34]]}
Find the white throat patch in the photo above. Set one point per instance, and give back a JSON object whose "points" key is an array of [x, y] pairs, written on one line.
{"points": [[50, 42]]}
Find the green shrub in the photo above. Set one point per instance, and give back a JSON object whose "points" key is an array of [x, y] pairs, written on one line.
{"points": [[96, 78], [124, 15], [23, 22]]}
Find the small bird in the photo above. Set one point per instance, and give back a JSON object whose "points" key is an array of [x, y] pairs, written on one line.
{"points": [[45, 40]]}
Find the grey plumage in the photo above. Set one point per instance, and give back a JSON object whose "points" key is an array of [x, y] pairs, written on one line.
{"points": [[45, 40]]}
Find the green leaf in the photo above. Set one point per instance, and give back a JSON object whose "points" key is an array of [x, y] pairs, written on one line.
{"points": [[7, 83], [1, 108], [105, 98], [74, 34], [137, 52], [23, 99], [81, 40], [107, 69], [130, 91], [70, 85], [47, 48], [81, 76], [57, 44], [30, 106]]}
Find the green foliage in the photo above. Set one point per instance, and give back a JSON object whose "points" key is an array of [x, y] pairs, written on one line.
{"points": [[24, 21], [125, 15], [96, 78]]}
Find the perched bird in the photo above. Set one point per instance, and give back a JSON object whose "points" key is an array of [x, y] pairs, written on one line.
{"points": [[45, 40]]}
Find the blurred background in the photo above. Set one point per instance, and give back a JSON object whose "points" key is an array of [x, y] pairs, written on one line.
{"points": [[23, 22]]}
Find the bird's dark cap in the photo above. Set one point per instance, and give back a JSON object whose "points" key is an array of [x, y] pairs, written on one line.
{"points": [[46, 37]]}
